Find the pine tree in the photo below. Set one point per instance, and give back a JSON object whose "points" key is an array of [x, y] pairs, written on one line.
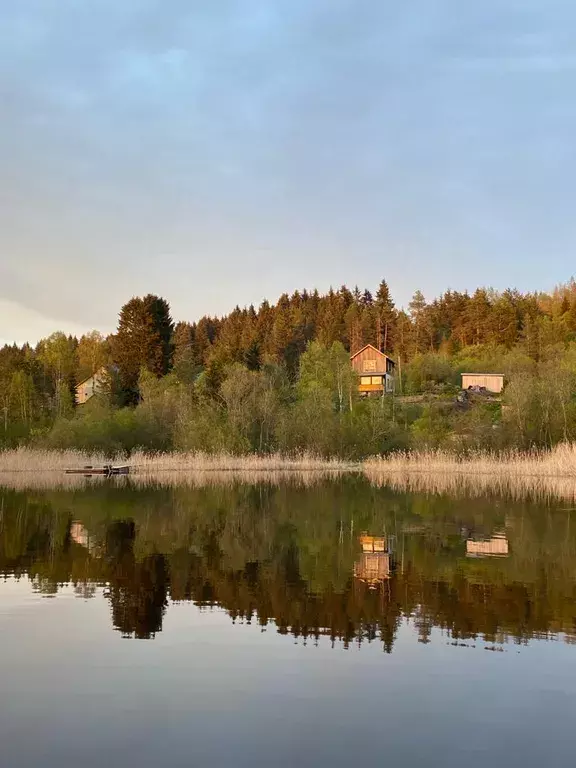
{"points": [[385, 318], [143, 340], [479, 316], [417, 307]]}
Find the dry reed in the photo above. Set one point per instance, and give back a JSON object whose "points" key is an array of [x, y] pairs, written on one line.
{"points": [[35, 469], [520, 474], [535, 473]]}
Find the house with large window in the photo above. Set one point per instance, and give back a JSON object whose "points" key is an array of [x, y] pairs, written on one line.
{"points": [[375, 370]]}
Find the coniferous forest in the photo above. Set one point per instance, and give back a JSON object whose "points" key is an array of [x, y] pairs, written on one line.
{"points": [[278, 378]]}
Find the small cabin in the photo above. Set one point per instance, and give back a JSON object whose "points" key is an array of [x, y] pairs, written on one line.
{"points": [[93, 385], [375, 369], [491, 382], [497, 546], [374, 565]]}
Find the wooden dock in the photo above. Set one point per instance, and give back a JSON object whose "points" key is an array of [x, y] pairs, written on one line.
{"points": [[108, 470]]}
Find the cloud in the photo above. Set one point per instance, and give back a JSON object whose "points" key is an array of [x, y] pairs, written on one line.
{"points": [[265, 146], [20, 324]]}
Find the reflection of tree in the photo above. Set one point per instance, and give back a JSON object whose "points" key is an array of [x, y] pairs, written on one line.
{"points": [[137, 589], [282, 555]]}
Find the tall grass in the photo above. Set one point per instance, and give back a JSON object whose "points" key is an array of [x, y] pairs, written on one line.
{"points": [[537, 472], [30, 468]]}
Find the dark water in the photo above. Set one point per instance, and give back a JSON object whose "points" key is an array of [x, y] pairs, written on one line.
{"points": [[285, 626]]}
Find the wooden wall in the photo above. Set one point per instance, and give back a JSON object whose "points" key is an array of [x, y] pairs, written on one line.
{"points": [[491, 381], [382, 363]]}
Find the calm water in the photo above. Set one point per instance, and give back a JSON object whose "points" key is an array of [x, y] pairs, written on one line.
{"points": [[285, 626]]}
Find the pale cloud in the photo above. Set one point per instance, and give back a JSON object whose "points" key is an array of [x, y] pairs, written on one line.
{"points": [[19, 324]]}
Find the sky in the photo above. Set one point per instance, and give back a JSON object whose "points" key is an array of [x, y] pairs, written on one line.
{"points": [[219, 152]]}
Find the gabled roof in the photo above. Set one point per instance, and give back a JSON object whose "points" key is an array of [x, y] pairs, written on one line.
{"points": [[371, 346], [498, 375], [92, 376]]}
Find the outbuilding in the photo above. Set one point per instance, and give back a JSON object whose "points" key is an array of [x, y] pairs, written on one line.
{"points": [[491, 382]]}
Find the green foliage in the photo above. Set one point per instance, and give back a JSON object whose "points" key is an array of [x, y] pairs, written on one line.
{"points": [[279, 377], [431, 429], [427, 373]]}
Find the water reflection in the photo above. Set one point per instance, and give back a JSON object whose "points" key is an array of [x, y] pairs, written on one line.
{"points": [[495, 546], [374, 565], [343, 560]]}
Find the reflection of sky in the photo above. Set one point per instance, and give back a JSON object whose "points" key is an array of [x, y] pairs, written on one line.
{"points": [[206, 692], [220, 152]]}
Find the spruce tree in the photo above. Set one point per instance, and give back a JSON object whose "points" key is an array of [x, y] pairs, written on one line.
{"points": [[385, 318], [143, 340]]}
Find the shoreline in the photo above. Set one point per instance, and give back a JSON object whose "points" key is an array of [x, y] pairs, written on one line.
{"points": [[542, 473]]}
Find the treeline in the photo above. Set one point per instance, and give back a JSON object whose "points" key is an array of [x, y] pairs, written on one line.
{"points": [[278, 378]]}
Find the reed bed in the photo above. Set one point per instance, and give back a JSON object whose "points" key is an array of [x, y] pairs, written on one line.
{"points": [[550, 474], [520, 474], [35, 469]]}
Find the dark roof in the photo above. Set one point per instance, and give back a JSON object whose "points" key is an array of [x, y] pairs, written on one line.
{"points": [[89, 377]]}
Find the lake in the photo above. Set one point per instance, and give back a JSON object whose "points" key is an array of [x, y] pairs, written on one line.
{"points": [[325, 623]]}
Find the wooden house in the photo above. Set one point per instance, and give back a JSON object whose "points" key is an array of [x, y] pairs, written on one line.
{"points": [[93, 385], [375, 369], [491, 382], [373, 567]]}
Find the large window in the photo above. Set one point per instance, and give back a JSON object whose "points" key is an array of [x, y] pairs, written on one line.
{"points": [[375, 381], [369, 365]]}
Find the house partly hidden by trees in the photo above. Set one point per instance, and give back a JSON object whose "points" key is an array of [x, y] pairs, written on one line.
{"points": [[96, 384], [375, 371]]}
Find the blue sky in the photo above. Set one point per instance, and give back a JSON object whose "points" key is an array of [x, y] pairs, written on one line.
{"points": [[222, 152]]}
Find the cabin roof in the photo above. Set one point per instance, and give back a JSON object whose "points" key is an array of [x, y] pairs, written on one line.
{"points": [[498, 375], [370, 346], [92, 375]]}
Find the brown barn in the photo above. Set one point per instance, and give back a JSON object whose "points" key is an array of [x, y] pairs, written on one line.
{"points": [[375, 369]]}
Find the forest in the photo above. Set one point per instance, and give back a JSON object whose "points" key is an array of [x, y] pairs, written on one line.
{"points": [[278, 378]]}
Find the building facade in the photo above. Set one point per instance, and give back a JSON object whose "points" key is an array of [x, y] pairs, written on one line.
{"points": [[94, 385], [491, 382], [375, 371]]}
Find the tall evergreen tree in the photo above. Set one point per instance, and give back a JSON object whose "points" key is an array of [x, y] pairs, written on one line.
{"points": [[417, 314], [143, 340], [385, 318]]}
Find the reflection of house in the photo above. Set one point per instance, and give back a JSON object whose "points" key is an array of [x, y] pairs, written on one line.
{"points": [[491, 382], [376, 371], [79, 535], [497, 546], [373, 566], [93, 385]]}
